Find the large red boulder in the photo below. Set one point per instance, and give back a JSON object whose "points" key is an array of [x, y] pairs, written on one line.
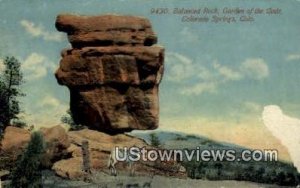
{"points": [[113, 71], [16, 139]]}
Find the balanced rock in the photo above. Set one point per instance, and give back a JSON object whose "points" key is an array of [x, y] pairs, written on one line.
{"points": [[112, 71]]}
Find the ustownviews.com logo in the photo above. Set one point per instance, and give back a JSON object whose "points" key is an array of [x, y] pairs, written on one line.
{"points": [[148, 154]]}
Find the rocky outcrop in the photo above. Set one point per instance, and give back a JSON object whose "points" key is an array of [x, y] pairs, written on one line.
{"points": [[100, 147], [57, 143], [113, 71], [64, 152], [13, 143], [16, 139]]}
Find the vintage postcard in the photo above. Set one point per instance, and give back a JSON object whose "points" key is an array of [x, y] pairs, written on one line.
{"points": [[139, 93]]}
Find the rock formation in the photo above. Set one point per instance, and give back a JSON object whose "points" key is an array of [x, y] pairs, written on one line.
{"points": [[64, 152], [100, 147], [13, 143], [16, 139], [112, 71]]}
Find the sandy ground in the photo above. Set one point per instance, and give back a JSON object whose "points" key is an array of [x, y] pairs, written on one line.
{"points": [[101, 180]]}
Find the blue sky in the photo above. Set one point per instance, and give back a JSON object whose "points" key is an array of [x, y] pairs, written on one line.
{"points": [[218, 76]]}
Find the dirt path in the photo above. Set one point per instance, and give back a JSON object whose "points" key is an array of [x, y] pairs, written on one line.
{"points": [[101, 180]]}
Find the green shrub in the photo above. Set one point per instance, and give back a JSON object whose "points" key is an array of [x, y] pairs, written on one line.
{"points": [[154, 140], [68, 119], [276, 172], [27, 172]]}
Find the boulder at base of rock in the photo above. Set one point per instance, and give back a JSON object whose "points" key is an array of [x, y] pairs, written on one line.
{"points": [[70, 168], [16, 139], [100, 147], [13, 143], [57, 142]]}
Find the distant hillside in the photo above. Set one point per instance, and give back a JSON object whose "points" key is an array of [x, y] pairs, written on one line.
{"points": [[280, 173], [177, 140]]}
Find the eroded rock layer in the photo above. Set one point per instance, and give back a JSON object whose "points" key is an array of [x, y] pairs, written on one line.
{"points": [[100, 147], [113, 71], [106, 30]]}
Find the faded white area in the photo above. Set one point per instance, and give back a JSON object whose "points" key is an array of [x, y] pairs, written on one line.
{"points": [[284, 128], [2, 66], [293, 57], [39, 31]]}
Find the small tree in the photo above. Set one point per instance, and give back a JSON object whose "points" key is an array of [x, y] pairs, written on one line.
{"points": [[10, 81], [154, 140], [68, 119], [19, 123], [28, 167]]}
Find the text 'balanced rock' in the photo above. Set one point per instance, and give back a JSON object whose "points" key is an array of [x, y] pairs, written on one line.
{"points": [[112, 71]]}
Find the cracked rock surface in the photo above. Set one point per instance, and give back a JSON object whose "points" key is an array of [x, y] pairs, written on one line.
{"points": [[113, 71]]}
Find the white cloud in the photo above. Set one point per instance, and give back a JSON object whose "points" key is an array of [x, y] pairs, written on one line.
{"points": [[284, 128], [181, 68], [253, 107], [188, 35], [293, 57], [36, 66], [197, 78], [49, 101], [227, 73], [39, 31], [255, 68], [200, 88]]}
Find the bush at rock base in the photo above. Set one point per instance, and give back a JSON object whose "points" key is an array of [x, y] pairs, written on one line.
{"points": [[27, 172]]}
